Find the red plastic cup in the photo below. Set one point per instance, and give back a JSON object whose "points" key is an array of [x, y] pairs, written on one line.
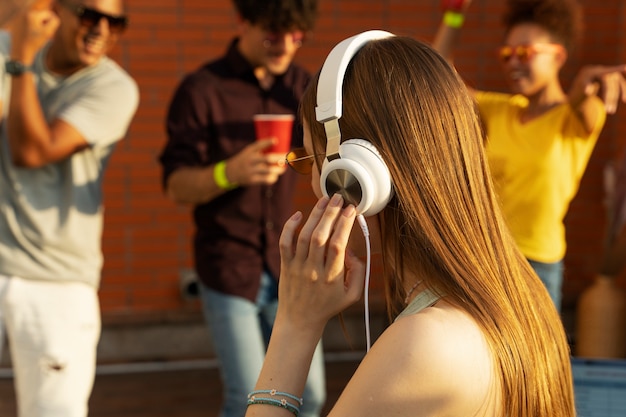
{"points": [[277, 126]]}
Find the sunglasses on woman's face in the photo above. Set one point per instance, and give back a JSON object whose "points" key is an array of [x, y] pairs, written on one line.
{"points": [[300, 161], [90, 17], [524, 53]]}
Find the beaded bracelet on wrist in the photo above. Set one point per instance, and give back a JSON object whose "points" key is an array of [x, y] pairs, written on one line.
{"points": [[278, 403], [274, 392]]}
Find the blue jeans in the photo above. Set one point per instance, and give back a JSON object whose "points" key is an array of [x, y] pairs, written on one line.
{"points": [[551, 274], [240, 332]]}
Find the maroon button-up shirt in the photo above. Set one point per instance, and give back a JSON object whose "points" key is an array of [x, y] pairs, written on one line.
{"points": [[210, 119]]}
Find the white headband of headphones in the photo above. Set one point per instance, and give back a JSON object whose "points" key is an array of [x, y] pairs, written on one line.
{"points": [[330, 84]]}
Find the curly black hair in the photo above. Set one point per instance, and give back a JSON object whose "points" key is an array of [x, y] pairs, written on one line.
{"points": [[561, 18], [279, 15]]}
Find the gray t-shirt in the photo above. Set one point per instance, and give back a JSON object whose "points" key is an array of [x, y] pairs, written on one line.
{"points": [[51, 217]]}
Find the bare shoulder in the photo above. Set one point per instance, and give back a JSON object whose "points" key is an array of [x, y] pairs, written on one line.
{"points": [[435, 362]]}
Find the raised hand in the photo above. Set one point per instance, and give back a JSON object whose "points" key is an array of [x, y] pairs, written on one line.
{"points": [[607, 81], [31, 29], [455, 5], [319, 276], [10, 8]]}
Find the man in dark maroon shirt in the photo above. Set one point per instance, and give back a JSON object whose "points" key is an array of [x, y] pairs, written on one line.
{"points": [[241, 195]]}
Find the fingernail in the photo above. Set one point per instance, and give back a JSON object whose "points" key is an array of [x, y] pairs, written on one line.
{"points": [[322, 203], [336, 201], [296, 216], [349, 211]]}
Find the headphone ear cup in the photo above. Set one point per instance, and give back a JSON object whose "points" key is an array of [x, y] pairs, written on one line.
{"points": [[359, 175]]}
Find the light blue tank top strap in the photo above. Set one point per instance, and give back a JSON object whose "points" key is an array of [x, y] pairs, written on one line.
{"points": [[421, 301]]}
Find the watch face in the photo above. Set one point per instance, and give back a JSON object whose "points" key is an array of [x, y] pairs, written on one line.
{"points": [[15, 68]]}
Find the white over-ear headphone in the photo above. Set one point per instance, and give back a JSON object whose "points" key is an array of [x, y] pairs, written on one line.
{"points": [[353, 168]]}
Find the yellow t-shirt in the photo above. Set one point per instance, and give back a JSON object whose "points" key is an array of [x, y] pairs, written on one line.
{"points": [[536, 167]]}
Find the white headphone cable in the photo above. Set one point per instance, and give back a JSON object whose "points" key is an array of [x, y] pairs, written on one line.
{"points": [[366, 234]]}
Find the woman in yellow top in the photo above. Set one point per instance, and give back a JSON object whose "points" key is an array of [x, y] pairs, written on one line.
{"points": [[540, 138]]}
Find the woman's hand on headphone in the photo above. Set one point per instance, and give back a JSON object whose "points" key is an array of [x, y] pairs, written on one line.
{"points": [[319, 277], [251, 166]]}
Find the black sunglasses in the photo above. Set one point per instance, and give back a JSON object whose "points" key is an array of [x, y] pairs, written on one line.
{"points": [[90, 17]]}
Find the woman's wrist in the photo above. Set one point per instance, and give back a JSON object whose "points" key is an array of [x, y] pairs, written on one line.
{"points": [[453, 19], [453, 13]]}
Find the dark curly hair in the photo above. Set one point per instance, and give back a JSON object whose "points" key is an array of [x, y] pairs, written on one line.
{"points": [[279, 15], [561, 18]]}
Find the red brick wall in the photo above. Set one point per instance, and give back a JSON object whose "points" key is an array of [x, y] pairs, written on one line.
{"points": [[147, 238]]}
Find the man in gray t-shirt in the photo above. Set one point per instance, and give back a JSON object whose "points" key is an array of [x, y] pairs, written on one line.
{"points": [[63, 107]]}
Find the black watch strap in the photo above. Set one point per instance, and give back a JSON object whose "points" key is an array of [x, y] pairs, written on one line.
{"points": [[14, 67]]}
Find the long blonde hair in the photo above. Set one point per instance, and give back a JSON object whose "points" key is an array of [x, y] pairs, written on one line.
{"points": [[443, 223]]}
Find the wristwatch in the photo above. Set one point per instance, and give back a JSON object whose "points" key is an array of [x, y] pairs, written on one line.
{"points": [[13, 67]]}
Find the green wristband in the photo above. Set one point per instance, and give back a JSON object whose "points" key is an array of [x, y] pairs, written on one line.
{"points": [[219, 175], [453, 19]]}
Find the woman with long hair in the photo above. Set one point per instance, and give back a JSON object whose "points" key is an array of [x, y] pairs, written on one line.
{"points": [[474, 332]]}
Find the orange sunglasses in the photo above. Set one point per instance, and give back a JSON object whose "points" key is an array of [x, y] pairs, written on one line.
{"points": [[525, 53], [300, 161]]}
